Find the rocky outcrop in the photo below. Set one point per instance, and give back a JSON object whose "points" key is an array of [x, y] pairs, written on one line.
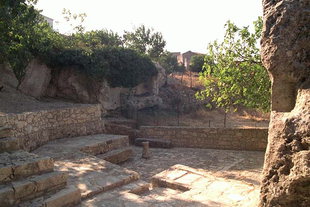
{"points": [[70, 84], [7, 77], [36, 79], [285, 54]]}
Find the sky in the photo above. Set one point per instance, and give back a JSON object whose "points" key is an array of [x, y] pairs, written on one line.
{"points": [[185, 24]]}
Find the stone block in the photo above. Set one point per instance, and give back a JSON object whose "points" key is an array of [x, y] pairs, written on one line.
{"points": [[5, 132], [160, 143], [6, 196], [117, 156], [70, 196], [9, 144]]}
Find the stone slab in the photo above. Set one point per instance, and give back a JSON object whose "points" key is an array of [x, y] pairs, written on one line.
{"points": [[68, 197], [9, 144], [21, 164], [93, 175], [5, 132], [204, 187], [117, 156], [154, 142], [32, 187], [92, 144]]}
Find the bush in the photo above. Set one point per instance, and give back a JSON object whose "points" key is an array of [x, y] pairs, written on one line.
{"points": [[121, 67], [196, 63], [170, 63]]}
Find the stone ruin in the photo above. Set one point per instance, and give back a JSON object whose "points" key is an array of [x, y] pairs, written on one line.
{"points": [[286, 55]]}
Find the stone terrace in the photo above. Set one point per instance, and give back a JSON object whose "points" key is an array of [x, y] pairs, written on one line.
{"points": [[213, 178]]}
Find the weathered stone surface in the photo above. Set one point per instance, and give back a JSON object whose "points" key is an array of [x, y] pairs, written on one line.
{"points": [[212, 138], [69, 196], [9, 144], [90, 174], [92, 144], [5, 132], [38, 127], [285, 54], [21, 164], [68, 83], [7, 77], [31, 187], [36, 79], [117, 156]]}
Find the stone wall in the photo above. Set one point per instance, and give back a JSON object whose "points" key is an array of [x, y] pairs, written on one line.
{"points": [[214, 138], [37, 128]]}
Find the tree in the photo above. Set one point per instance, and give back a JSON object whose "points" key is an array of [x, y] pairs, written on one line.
{"points": [[236, 76], [75, 20], [145, 41], [18, 20], [170, 63], [196, 63], [98, 39]]}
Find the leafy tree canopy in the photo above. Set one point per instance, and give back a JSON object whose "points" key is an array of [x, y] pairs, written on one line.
{"points": [[196, 63], [236, 75], [100, 54], [145, 41], [170, 63]]}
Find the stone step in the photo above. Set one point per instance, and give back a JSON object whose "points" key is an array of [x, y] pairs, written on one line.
{"points": [[5, 132], [32, 187], [138, 187], [92, 144], [67, 197], [160, 143], [93, 175], [9, 144], [118, 196], [119, 121], [118, 155], [21, 164]]}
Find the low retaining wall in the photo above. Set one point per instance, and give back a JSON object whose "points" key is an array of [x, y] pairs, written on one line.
{"points": [[214, 138], [37, 128]]}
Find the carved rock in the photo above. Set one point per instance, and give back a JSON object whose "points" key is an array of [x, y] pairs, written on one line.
{"points": [[36, 79], [285, 54]]}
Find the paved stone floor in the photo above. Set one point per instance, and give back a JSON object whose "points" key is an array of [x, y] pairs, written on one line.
{"points": [[241, 165], [233, 177]]}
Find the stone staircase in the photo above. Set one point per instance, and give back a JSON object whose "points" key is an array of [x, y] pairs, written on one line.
{"points": [[84, 159], [29, 180]]}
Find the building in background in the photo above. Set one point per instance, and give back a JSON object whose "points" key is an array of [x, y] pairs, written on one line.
{"points": [[49, 20], [185, 58]]}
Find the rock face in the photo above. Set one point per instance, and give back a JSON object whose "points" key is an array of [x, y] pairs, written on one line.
{"points": [[285, 54], [68, 83], [7, 77], [36, 79]]}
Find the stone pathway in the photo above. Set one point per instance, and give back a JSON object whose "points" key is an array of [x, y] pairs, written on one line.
{"points": [[240, 165], [209, 178]]}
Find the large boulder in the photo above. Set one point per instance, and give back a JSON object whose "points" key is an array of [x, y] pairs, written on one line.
{"points": [[69, 83], [7, 77], [285, 54], [36, 79]]}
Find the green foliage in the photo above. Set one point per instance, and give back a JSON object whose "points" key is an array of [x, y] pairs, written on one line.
{"points": [[145, 41], [99, 54], [170, 63], [98, 39], [17, 27], [196, 63], [236, 75], [75, 20], [119, 66]]}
